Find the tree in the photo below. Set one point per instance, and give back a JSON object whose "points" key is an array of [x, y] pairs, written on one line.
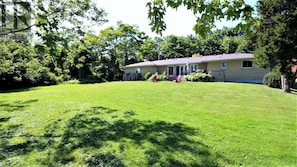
{"points": [[19, 65], [56, 21], [102, 56], [277, 37], [206, 12], [120, 46], [148, 50]]}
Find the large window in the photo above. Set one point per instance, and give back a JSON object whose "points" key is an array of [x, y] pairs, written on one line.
{"points": [[170, 70], [194, 67], [247, 64]]}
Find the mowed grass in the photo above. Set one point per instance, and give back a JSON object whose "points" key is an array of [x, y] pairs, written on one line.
{"points": [[148, 124]]}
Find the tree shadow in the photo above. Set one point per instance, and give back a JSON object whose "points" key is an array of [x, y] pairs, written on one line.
{"points": [[95, 132], [17, 90], [16, 105], [167, 141]]}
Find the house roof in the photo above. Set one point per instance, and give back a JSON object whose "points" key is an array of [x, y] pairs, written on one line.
{"points": [[192, 60]]}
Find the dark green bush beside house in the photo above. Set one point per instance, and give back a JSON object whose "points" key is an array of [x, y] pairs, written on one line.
{"points": [[272, 79]]}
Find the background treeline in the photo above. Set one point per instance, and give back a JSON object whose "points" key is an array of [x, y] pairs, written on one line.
{"points": [[101, 57]]}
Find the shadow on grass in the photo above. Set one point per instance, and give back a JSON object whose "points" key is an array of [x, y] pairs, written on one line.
{"points": [[16, 105], [17, 90], [103, 136], [10, 131]]}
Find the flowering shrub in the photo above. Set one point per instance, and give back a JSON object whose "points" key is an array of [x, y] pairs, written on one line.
{"points": [[160, 77], [198, 76]]}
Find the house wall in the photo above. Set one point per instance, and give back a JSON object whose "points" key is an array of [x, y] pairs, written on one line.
{"points": [[130, 72], [235, 72], [143, 70], [202, 66], [161, 69]]}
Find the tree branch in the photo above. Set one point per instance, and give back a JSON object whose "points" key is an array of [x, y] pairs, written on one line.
{"points": [[16, 31]]}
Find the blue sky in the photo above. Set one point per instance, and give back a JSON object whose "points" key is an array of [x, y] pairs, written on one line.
{"points": [[134, 12]]}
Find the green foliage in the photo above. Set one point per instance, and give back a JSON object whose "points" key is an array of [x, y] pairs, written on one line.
{"points": [[18, 64], [197, 77], [148, 50], [160, 77], [147, 75], [276, 34], [272, 79], [208, 11], [231, 44]]}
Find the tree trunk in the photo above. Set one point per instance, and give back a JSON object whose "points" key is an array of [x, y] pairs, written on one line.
{"points": [[285, 79], [293, 78]]}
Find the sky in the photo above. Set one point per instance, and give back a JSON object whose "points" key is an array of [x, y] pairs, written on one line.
{"points": [[135, 12]]}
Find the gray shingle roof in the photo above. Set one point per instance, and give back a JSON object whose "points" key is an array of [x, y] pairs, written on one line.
{"points": [[192, 60]]}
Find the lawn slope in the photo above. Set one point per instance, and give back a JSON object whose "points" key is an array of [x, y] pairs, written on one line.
{"points": [[148, 124]]}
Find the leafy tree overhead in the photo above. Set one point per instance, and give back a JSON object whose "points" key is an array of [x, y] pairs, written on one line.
{"points": [[53, 20], [206, 12], [277, 37]]}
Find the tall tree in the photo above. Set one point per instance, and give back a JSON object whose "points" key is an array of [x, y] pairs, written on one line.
{"points": [[149, 50], [120, 46], [277, 37], [19, 64]]}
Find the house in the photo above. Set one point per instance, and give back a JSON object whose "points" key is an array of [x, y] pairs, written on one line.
{"points": [[236, 67]]}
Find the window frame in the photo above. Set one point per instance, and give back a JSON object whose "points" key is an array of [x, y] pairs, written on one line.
{"points": [[138, 70], [196, 67], [247, 67], [223, 67], [168, 68]]}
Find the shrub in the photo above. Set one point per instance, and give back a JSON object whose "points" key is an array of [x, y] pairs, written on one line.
{"points": [[160, 77], [147, 75], [272, 79], [197, 76]]}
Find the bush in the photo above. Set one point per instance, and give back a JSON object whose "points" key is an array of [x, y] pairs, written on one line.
{"points": [[147, 75], [160, 77], [197, 76], [272, 79]]}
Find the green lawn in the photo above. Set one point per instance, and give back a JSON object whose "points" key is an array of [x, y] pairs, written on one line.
{"points": [[148, 124]]}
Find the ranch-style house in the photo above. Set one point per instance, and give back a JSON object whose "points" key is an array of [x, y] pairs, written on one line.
{"points": [[235, 67]]}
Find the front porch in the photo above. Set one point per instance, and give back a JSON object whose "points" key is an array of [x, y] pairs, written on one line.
{"points": [[174, 71]]}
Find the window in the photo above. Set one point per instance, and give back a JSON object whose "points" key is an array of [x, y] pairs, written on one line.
{"points": [[223, 65], [183, 70], [194, 68], [247, 64], [170, 70], [137, 70]]}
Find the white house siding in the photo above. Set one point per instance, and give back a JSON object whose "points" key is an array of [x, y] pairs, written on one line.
{"points": [[132, 72], [162, 69], [202, 66], [143, 70], [235, 72]]}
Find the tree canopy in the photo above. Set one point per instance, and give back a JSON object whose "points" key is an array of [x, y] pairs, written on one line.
{"points": [[206, 12], [277, 37]]}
